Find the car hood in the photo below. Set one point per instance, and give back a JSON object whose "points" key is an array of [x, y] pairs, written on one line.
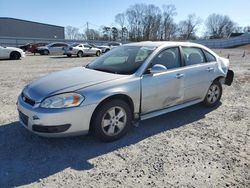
{"points": [[14, 49], [66, 81]]}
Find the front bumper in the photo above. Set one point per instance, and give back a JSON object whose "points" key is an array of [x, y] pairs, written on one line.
{"points": [[23, 54], [55, 122]]}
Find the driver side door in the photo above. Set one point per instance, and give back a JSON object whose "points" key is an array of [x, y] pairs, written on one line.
{"points": [[164, 89]]}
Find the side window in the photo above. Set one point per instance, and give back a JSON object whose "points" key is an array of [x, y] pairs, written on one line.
{"points": [[193, 56], [170, 58], [86, 46], [80, 46], [209, 57]]}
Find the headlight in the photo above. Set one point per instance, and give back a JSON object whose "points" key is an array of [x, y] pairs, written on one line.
{"points": [[63, 101]]}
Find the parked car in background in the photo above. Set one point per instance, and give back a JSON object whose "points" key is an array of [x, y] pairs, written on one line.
{"points": [[108, 46], [11, 53], [56, 48], [25, 47], [133, 82], [32, 47], [81, 50]]}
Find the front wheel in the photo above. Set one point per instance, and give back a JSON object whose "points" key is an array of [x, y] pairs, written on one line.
{"points": [[112, 120], [214, 94], [15, 55], [45, 52]]}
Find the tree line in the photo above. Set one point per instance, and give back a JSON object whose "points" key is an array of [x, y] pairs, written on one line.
{"points": [[142, 22]]}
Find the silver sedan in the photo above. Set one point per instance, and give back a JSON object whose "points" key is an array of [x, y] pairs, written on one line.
{"points": [[133, 82]]}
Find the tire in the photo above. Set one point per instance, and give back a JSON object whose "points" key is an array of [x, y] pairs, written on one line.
{"points": [[98, 53], [213, 95], [112, 120], [45, 52], [80, 54], [15, 55], [69, 55]]}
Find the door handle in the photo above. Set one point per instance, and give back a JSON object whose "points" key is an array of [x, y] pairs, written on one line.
{"points": [[179, 76], [209, 69]]}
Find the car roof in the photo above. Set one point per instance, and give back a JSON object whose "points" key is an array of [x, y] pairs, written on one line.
{"points": [[163, 43]]}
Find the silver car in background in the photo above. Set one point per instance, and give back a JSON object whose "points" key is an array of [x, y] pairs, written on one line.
{"points": [[81, 50], [56, 48], [133, 82]]}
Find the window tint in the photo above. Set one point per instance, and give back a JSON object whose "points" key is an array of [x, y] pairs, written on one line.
{"points": [[86, 46], [122, 60], [170, 58], [209, 57], [193, 56]]}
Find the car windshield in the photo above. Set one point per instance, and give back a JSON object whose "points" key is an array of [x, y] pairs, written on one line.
{"points": [[74, 44], [122, 60], [93, 45]]}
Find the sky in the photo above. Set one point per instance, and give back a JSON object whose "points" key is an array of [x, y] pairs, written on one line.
{"points": [[99, 12]]}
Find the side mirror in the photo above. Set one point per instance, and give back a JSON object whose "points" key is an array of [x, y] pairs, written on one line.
{"points": [[157, 68]]}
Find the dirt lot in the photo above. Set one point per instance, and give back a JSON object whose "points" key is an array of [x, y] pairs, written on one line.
{"points": [[193, 147]]}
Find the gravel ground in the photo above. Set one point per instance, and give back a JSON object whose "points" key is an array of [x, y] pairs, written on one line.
{"points": [[192, 147]]}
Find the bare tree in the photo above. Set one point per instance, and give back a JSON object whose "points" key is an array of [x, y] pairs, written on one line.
{"points": [[188, 28], [115, 33], [106, 33], [92, 34], [219, 26], [120, 20], [72, 33], [169, 28], [151, 22], [134, 15]]}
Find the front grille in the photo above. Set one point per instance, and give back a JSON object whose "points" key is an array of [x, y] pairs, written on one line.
{"points": [[23, 118], [28, 100]]}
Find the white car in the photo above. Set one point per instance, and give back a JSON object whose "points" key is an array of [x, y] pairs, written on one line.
{"points": [[11, 53], [108, 46], [81, 50], [56, 48]]}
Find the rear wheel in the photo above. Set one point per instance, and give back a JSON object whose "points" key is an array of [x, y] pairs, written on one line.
{"points": [[15, 55], [214, 94], [80, 54], [98, 53], [45, 52], [112, 120]]}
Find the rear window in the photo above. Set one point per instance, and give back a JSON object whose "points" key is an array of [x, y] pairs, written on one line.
{"points": [[193, 56], [209, 57]]}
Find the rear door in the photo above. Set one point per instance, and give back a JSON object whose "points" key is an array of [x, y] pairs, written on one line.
{"points": [[58, 48], [199, 73], [165, 89]]}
